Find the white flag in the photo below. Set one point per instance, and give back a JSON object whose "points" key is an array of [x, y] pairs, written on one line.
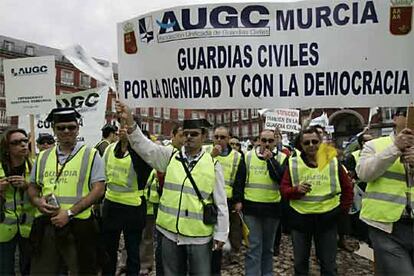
{"points": [[88, 65]]}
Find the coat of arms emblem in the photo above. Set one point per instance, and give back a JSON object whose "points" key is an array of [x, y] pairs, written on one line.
{"points": [[401, 14]]}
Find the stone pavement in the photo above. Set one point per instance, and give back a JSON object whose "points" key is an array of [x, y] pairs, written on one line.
{"points": [[348, 263]]}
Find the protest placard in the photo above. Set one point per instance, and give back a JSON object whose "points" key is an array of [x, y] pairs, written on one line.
{"points": [[286, 120], [322, 53], [91, 104], [29, 85]]}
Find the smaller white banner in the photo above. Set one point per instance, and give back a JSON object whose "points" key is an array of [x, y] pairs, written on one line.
{"points": [[286, 120], [91, 104], [29, 85]]}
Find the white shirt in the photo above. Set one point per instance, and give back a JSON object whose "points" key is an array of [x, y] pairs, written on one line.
{"points": [[158, 157]]}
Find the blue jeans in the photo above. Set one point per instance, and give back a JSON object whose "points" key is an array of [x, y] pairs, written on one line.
{"points": [[259, 256], [394, 253], [325, 247], [175, 258]]}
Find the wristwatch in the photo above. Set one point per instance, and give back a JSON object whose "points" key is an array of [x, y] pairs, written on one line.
{"points": [[70, 214]]}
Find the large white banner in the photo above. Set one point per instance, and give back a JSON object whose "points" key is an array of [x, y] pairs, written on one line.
{"points": [[29, 85], [319, 53], [91, 104]]}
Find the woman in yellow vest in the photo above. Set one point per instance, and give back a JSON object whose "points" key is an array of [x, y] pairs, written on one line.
{"points": [[16, 213], [316, 198]]}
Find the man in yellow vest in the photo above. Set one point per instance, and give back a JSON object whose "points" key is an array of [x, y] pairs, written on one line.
{"points": [[65, 181], [16, 212], [261, 205], [188, 232], [234, 169], [386, 164], [317, 197], [124, 207]]}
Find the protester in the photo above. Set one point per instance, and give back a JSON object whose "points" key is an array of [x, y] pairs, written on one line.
{"points": [[261, 205], [124, 208], [235, 144], [109, 136], [65, 181], [316, 197], [387, 207], [187, 232], [16, 213], [45, 141], [234, 170]]}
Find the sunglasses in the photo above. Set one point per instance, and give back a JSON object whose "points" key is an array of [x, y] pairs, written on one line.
{"points": [[18, 142], [69, 127], [235, 144], [308, 142], [191, 133], [264, 140], [222, 137]]}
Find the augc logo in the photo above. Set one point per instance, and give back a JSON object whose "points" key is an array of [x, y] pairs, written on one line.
{"points": [[29, 71]]}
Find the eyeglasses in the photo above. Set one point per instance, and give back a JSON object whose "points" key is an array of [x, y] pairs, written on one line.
{"points": [[69, 127], [308, 142], [191, 133], [264, 140], [235, 144], [222, 137], [18, 142]]}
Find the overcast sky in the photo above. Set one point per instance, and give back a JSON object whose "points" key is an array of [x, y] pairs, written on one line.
{"points": [[90, 23]]}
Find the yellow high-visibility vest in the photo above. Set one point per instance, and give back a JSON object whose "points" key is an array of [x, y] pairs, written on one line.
{"points": [[180, 210], [386, 197], [326, 187], [229, 163], [73, 182]]}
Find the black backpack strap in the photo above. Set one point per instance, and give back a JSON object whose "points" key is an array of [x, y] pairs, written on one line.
{"points": [[190, 177]]}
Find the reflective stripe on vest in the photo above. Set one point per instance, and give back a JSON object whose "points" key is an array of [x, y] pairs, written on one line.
{"points": [[229, 164], [259, 187], [83, 167], [180, 210], [387, 196], [326, 188]]}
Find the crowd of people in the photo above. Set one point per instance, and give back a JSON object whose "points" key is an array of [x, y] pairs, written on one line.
{"points": [[186, 206]]}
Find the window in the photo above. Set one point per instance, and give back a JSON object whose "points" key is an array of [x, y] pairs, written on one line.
{"points": [[157, 128], [202, 115], [85, 81], [245, 131], [180, 114], [143, 111], [255, 129], [195, 115], [1, 89], [29, 50], [218, 118], [387, 114], [66, 77], [235, 115], [235, 131], [245, 114], [4, 120], [227, 117], [210, 118], [8, 45], [144, 126], [166, 113], [157, 112], [255, 113]]}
